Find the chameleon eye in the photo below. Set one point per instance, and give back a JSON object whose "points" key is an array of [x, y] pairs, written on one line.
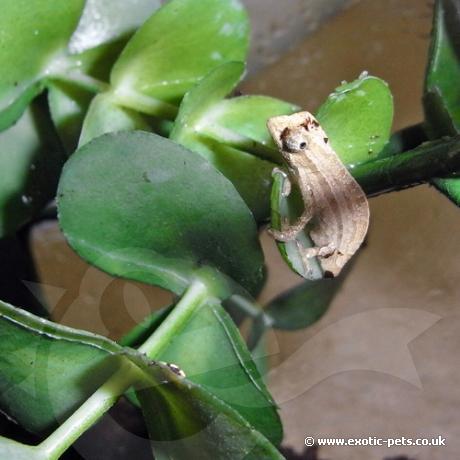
{"points": [[303, 145]]}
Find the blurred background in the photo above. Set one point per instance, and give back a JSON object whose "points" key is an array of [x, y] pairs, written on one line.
{"points": [[384, 360]]}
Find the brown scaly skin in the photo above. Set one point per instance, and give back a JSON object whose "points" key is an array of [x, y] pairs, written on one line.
{"points": [[334, 202]]}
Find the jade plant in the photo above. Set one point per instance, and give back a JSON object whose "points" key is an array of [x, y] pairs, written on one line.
{"points": [[120, 120]]}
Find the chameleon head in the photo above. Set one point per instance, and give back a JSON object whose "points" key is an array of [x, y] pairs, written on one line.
{"points": [[294, 133], [294, 140]]}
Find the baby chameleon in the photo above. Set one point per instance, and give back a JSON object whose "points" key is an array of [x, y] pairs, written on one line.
{"points": [[334, 203]]}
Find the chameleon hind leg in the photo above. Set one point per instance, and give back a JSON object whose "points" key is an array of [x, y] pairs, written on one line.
{"points": [[307, 254], [289, 230], [320, 251]]}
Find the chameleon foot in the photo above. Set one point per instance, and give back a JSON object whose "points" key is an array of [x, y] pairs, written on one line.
{"points": [[286, 184], [322, 251], [285, 235]]}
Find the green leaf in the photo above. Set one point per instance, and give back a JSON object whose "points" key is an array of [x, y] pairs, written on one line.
{"points": [[408, 138], [442, 92], [242, 123], [102, 33], [198, 104], [357, 117], [47, 370], [175, 48], [142, 331], [33, 40], [105, 21], [210, 350], [303, 305], [140, 206], [185, 421], [104, 116], [101, 22], [249, 174], [31, 159]]}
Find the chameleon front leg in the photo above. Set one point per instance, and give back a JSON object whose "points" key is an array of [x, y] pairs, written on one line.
{"points": [[289, 231]]}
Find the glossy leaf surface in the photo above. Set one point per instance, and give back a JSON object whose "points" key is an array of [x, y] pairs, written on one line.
{"points": [[249, 174], [143, 207], [358, 117], [104, 116], [104, 21], [211, 352], [175, 48], [102, 33], [33, 40], [242, 122], [46, 369], [185, 421]]}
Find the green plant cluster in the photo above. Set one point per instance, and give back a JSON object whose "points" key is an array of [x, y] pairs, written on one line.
{"points": [[125, 115]]}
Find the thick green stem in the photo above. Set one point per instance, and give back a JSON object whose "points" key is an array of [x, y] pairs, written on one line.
{"points": [[160, 339], [141, 103], [428, 161], [83, 81], [89, 412], [128, 374], [406, 139]]}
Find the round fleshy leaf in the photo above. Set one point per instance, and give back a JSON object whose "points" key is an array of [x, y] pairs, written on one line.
{"points": [[358, 117], [230, 374], [103, 21], [249, 174], [69, 365], [104, 116], [242, 123], [195, 36], [199, 102], [141, 206], [34, 35], [204, 427], [102, 33]]}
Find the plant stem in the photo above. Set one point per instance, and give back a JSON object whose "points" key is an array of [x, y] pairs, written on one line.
{"points": [[128, 374], [406, 139], [141, 103], [89, 412], [428, 161], [250, 308], [83, 81], [160, 339]]}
